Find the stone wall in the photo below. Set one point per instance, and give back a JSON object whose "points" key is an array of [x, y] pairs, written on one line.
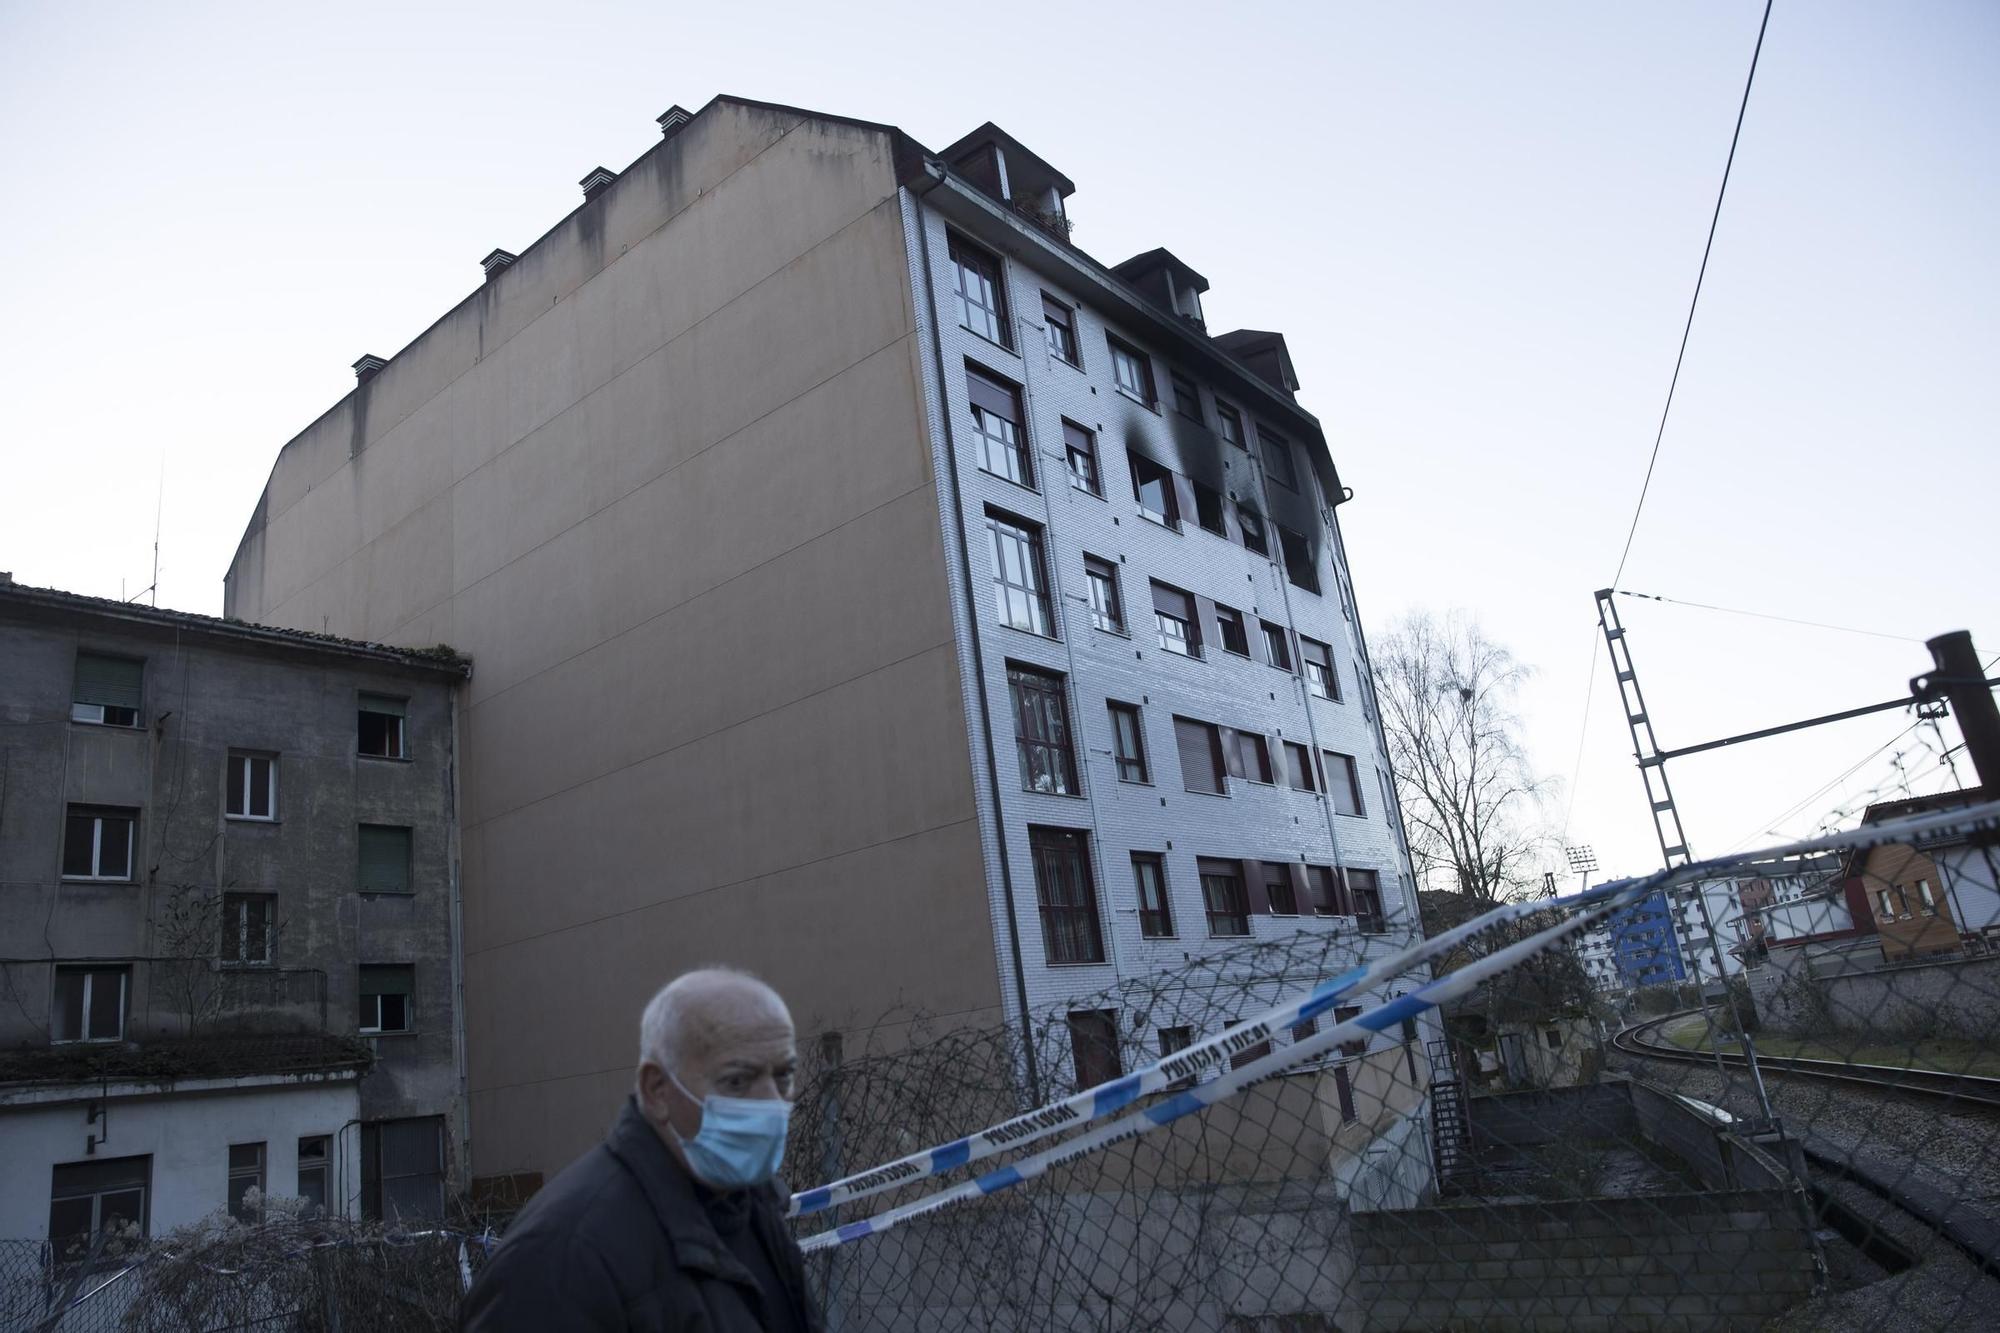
{"points": [[1956, 998], [1722, 1260]]}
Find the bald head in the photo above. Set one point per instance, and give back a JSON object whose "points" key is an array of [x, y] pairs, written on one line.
{"points": [[714, 1030]]}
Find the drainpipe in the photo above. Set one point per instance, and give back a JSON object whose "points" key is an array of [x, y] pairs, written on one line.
{"points": [[934, 176], [455, 787]]}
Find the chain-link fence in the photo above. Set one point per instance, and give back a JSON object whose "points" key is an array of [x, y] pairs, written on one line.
{"points": [[1482, 1130]]}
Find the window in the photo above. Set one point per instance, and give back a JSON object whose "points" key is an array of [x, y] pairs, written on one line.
{"points": [[1250, 1054], [97, 842], [382, 726], [246, 1173], [1021, 588], [386, 990], [1346, 1013], [1041, 732], [1059, 322], [1325, 889], [89, 1004], [1153, 488], [1299, 566], [1065, 895], [1277, 458], [1253, 531], [1173, 611], [996, 420], [1200, 745], [1149, 877], [1208, 509], [1175, 1039], [1365, 888], [1128, 744], [253, 786], [982, 306], [1107, 610], [246, 927], [1081, 447], [1554, 1037], [1926, 901], [1255, 753], [1318, 660], [1343, 780], [1223, 897], [108, 1196], [1132, 372], [1187, 398], [1229, 622], [1306, 1028], [1277, 646], [314, 1178], [106, 690], [1298, 766], [1885, 910], [1278, 889], [1093, 1045], [1344, 1090], [1229, 424], [402, 1169], [385, 858]]}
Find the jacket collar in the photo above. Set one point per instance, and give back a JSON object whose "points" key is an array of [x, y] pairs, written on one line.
{"points": [[670, 1191]]}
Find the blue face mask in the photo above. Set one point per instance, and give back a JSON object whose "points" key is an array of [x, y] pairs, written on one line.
{"points": [[741, 1140]]}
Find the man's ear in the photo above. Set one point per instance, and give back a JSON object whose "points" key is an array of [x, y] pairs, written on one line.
{"points": [[654, 1090]]}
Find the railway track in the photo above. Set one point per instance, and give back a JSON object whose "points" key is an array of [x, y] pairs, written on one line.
{"points": [[1641, 1040]]}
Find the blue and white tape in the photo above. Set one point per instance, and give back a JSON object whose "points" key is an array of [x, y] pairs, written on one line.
{"points": [[1094, 1103]]}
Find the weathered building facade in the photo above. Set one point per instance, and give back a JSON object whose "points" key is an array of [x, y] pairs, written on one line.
{"points": [[228, 936], [868, 587]]}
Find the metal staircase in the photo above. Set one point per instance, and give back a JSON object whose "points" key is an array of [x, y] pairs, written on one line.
{"points": [[1450, 1141]]}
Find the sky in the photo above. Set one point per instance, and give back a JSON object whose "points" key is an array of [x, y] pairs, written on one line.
{"points": [[1477, 225]]}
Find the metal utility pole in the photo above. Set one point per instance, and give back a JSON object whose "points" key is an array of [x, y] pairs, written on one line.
{"points": [[1961, 681], [1673, 839]]}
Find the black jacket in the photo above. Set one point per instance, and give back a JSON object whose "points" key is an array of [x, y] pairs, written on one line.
{"points": [[620, 1240]]}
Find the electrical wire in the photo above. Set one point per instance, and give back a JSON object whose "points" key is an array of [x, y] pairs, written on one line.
{"points": [[1765, 615], [1714, 219]]}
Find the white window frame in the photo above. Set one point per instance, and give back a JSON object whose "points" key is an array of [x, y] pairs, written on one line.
{"points": [[90, 977], [240, 924], [240, 786], [97, 874]]}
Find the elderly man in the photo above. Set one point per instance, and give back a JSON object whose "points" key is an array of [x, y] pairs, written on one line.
{"points": [[673, 1222]]}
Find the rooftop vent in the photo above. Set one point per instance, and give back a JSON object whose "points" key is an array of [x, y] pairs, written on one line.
{"points": [[496, 261], [365, 368], [672, 119], [597, 181]]}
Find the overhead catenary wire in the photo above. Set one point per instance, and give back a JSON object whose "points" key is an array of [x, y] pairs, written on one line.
{"points": [[1687, 328], [1766, 615]]}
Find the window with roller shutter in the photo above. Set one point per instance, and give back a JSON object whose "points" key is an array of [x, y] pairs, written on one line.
{"points": [[384, 858], [1200, 746], [1174, 612], [387, 997], [107, 690], [1227, 905]]}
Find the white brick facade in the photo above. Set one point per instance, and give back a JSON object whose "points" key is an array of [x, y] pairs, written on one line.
{"points": [[1268, 822]]}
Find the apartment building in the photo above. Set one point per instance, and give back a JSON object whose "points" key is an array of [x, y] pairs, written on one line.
{"points": [[228, 876], [869, 587]]}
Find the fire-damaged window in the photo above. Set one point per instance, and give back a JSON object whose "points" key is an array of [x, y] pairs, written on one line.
{"points": [[1299, 567], [1252, 525], [1153, 488], [1277, 452]]}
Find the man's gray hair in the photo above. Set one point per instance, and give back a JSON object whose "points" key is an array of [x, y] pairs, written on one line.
{"points": [[663, 1026]]}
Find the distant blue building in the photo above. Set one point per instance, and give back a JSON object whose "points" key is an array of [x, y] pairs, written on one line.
{"points": [[1643, 943]]}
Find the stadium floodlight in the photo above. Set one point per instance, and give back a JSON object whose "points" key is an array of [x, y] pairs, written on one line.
{"points": [[1581, 858]]}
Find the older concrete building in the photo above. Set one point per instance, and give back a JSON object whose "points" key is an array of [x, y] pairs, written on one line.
{"points": [[228, 884], [868, 587]]}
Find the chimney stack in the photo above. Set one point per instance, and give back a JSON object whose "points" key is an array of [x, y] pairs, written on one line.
{"points": [[365, 368], [596, 182], [496, 261], [672, 119]]}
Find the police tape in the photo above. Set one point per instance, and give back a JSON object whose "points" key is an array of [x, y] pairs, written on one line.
{"points": [[1589, 905], [1104, 1099], [1229, 1084], [1097, 1102]]}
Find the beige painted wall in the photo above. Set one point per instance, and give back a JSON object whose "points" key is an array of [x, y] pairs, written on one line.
{"points": [[666, 481]]}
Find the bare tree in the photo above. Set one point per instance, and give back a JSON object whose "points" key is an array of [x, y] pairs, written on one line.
{"points": [[1469, 799]]}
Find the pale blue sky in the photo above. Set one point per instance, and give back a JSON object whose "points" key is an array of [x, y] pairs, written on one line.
{"points": [[1477, 224]]}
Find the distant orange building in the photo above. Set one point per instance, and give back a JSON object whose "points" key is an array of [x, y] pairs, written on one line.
{"points": [[1907, 894]]}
